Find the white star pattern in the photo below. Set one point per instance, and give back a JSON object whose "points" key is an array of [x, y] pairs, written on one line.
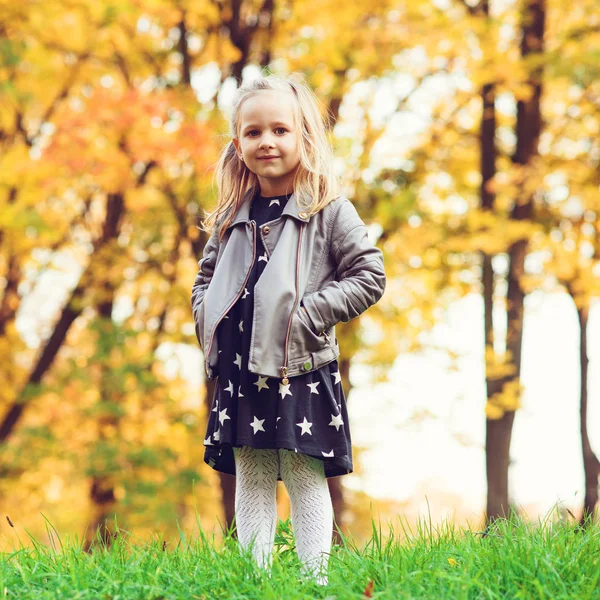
{"points": [[241, 326], [223, 416], [284, 390], [257, 425], [276, 201], [216, 408], [337, 376], [305, 426], [336, 421], [240, 395], [229, 388], [262, 383], [313, 387], [328, 454], [217, 435], [263, 257], [207, 442], [238, 360], [246, 293]]}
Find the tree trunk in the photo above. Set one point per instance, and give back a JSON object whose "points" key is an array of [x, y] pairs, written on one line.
{"points": [[103, 501], [243, 29], [528, 129], [102, 491], [497, 433], [227, 482], [9, 303], [591, 464], [186, 60]]}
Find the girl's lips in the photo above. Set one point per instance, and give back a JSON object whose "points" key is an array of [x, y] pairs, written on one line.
{"points": [[268, 157]]}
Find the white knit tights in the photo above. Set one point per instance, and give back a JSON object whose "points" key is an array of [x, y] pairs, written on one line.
{"points": [[256, 505]]}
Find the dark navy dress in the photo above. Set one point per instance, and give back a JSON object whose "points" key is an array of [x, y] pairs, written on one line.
{"points": [[308, 416]]}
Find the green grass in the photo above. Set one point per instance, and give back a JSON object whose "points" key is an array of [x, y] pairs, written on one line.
{"points": [[516, 559]]}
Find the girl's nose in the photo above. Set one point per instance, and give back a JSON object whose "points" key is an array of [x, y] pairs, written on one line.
{"points": [[266, 142]]}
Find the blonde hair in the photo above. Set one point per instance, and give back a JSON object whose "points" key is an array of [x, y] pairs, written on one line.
{"points": [[314, 185]]}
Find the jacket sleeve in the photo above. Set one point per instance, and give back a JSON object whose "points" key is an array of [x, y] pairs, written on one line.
{"points": [[360, 281], [206, 268]]}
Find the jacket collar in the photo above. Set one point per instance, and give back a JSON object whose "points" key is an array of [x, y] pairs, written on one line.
{"points": [[291, 209]]}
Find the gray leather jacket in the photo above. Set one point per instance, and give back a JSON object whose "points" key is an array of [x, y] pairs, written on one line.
{"points": [[324, 263]]}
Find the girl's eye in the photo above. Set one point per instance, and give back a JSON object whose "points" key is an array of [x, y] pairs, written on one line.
{"points": [[281, 130], [252, 132]]}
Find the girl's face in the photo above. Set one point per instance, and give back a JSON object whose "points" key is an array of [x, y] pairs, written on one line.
{"points": [[268, 140]]}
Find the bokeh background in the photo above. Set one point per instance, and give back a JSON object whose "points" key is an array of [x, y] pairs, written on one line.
{"points": [[466, 132]]}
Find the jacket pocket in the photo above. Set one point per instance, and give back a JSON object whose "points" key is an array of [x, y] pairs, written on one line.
{"points": [[303, 340], [324, 357]]}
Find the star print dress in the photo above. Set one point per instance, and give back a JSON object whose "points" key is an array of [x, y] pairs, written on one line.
{"points": [[308, 416]]}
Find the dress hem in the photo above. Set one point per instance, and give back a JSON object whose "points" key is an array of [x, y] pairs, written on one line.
{"points": [[332, 467]]}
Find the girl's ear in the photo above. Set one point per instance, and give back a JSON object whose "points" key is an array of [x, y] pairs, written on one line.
{"points": [[236, 143]]}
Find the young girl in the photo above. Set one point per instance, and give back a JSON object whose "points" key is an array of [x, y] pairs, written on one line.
{"points": [[288, 258]]}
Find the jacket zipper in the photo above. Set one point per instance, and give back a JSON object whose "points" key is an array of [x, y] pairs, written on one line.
{"points": [[284, 377], [207, 355]]}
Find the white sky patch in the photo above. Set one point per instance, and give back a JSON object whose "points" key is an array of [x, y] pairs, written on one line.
{"points": [[205, 81], [428, 424]]}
